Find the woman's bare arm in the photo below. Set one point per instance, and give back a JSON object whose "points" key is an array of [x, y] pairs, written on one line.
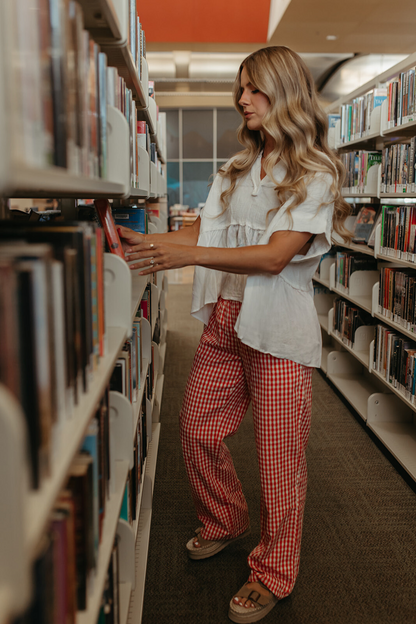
{"points": [[185, 236], [254, 259]]}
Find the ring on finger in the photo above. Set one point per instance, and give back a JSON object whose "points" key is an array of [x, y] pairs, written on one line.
{"points": [[152, 261], [151, 245]]}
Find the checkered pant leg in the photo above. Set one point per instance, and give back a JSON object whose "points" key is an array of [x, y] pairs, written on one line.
{"points": [[281, 393], [215, 402], [225, 375]]}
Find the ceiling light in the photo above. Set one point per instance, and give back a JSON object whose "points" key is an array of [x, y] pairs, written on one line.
{"points": [[331, 37]]}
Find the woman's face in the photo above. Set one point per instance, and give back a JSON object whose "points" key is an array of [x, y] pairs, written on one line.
{"points": [[254, 103]]}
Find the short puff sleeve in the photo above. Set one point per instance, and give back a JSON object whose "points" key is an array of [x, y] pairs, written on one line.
{"points": [[313, 215]]}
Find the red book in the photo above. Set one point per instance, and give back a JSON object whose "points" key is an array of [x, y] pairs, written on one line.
{"points": [[107, 223], [100, 289]]}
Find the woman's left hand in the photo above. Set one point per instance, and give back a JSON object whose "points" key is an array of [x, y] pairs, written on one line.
{"points": [[159, 257]]}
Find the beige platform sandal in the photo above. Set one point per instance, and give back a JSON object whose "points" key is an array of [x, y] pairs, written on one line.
{"points": [[246, 615], [208, 548]]}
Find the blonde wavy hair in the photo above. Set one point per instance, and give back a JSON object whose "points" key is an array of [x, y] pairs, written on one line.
{"points": [[299, 126]]}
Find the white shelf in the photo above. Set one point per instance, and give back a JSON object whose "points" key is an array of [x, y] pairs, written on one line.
{"points": [[326, 350], [346, 192], [364, 249], [143, 534], [360, 141], [362, 356], [138, 403], [355, 388], [25, 181], [324, 282], [361, 302], [399, 328], [395, 391], [104, 22], [397, 195], [400, 261], [139, 283], [403, 130], [119, 56], [400, 439], [323, 321], [40, 502], [162, 357], [158, 398], [125, 590], [139, 502], [112, 514]]}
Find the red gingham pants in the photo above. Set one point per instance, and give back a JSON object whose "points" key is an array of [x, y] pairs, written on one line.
{"points": [[225, 376]]}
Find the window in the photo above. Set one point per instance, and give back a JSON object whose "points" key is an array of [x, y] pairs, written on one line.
{"points": [[199, 142]]}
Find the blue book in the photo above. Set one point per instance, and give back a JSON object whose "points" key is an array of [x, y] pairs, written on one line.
{"points": [[124, 513], [332, 120], [90, 446], [133, 218]]}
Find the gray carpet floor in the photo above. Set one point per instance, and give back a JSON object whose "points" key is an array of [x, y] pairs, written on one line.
{"points": [[358, 563]]}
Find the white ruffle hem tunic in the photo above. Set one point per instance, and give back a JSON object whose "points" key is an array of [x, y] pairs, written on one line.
{"points": [[278, 315]]}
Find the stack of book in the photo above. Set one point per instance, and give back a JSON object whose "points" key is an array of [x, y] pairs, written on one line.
{"points": [[52, 324], [398, 227], [60, 77], [397, 296], [356, 117], [134, 478], [358, 165], [63, 574], [136, 38], [401, 99], [394, 359], [347, 319], [346, 264], [126, 374], [398, 168]]}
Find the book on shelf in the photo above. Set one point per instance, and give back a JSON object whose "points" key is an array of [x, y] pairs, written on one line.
{"points": [[358, 165], [397, 296], [401, 98], [107, 222], [110, 606], [371, 242], [394, 359], [62, 86], [356, 116], [29, 309], [133, 217], [63, 572], [398, 228], [398, 168], [364, 224], [347, 319], [48, 311], [346, 264], [102, 117]]}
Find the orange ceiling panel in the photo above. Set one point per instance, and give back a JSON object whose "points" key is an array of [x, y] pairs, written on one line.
{"points": [[212, 21]]}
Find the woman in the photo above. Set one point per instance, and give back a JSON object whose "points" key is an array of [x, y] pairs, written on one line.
{"points": [[266, 223]]}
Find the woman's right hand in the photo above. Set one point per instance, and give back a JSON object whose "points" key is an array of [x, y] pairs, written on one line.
{"points": [[129, 237]]}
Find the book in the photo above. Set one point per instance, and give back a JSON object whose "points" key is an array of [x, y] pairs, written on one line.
{"points": [[80, 485], [90, 447], [364, 224], [104, 214]]}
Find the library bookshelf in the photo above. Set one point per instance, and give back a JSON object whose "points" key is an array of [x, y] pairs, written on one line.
{"points": [[386, 410], [26, 513], [386, 407]]}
